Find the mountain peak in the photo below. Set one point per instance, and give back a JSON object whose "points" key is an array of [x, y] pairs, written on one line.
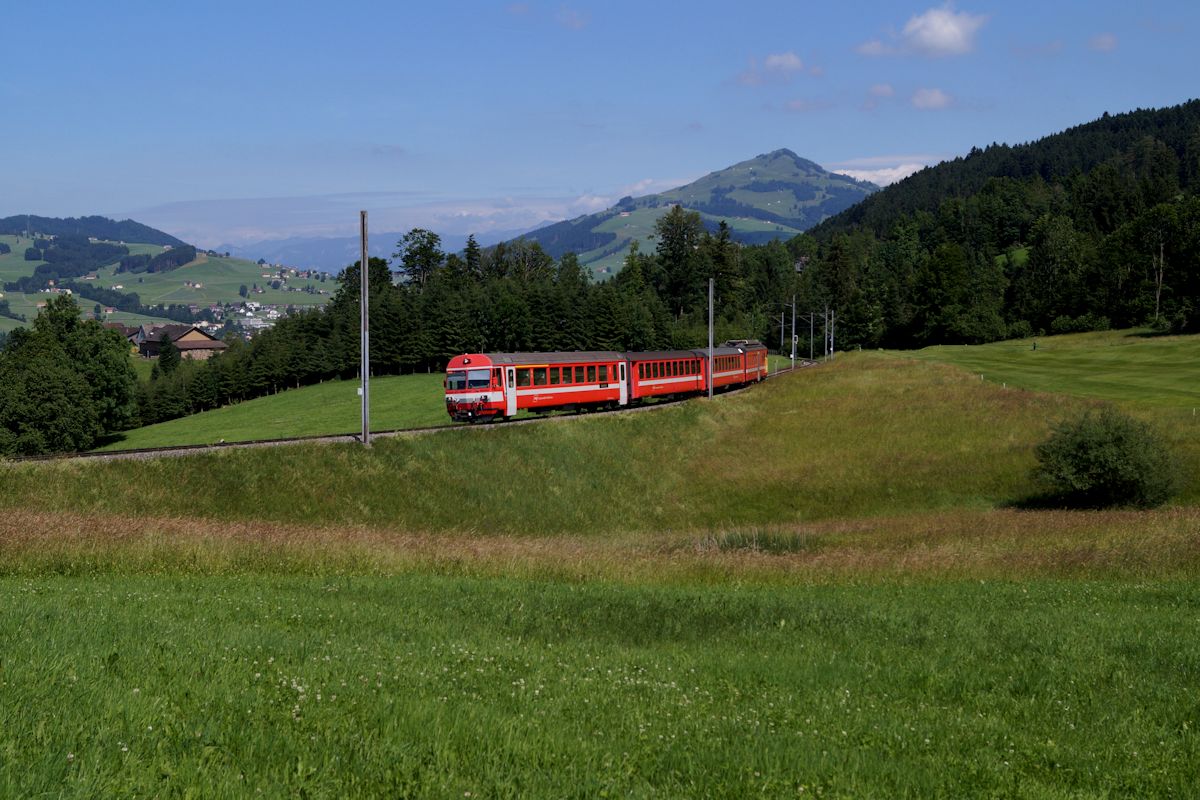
{"points": [[774, 195]]}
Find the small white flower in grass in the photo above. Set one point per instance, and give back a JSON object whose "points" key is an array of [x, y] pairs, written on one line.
{"points": [[70, 756]]}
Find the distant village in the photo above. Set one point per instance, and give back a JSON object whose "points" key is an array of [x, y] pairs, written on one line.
{"points": [[217, 320]]}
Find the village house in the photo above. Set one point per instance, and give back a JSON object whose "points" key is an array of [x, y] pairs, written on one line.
{"points": [[191, 341]]}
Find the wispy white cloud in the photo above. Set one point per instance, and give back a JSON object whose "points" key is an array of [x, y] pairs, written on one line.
{"points": [[572, 18], [883, 176], [783, 62], [1103, 42], [388, 151], [931, 99], [1044, 49], [885, 169], [807, 106], [775, 68], [937, 32], [240, 221], [877, 94]]}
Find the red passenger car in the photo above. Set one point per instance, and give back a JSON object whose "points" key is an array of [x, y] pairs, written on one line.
{"points": [[498, 385], [487, 386]]}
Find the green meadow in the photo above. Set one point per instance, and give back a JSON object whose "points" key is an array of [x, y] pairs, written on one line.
{"points": [[823, 586], [220, 279], [409, 401], [1122, 366]]}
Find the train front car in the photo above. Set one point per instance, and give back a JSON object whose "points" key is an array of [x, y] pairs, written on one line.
{"points": [[499, 385], [474, 388]]}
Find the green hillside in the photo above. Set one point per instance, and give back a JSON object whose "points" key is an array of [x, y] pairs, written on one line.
{"points": [[773, 196], [220, 279], [1123, 366], [407, 401], [811, 588]]}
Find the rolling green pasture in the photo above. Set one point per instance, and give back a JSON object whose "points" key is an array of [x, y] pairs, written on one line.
{"points": [[428, 685], [1122, 366], [640, 223], [221, 279], [818, 587], [13, 265], [867, 436], [409, 401]]}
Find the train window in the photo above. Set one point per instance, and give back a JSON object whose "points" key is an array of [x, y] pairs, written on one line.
{"points": [[539, 376], [522, 377], [657, 370], [641, 370], [591, 374], [554, 376], [579, 375], [604, 373], [675, 368]]}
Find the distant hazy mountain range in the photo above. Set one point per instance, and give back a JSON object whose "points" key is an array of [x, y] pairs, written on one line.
{"points": [[772, 196], [332, 254]]}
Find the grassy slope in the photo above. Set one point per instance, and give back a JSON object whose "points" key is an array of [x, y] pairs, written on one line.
{"points": [[640, 225], [868, 436], [221, 279], [410, 401], [1122, 366], [804, 589]]}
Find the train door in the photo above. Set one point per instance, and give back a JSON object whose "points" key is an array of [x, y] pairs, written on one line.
{"points": [[624, 383], [510, 393]]}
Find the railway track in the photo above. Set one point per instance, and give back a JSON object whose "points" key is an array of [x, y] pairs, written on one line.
{"points": [[336, 438]]}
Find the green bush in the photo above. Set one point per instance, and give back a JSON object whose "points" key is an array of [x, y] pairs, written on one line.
{"points": [[1107, 458]]}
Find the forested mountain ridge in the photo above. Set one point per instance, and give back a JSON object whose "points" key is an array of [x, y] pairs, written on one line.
{"points": [[95, 227], [1094, 227], [1112, 140], [772, 196]]}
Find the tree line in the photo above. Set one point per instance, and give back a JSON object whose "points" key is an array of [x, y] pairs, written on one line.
{"points": [[512, 297], [1093, 228]]}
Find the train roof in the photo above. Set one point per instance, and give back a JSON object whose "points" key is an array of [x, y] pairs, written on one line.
{"points": [[573, 357], [660, 355], [702, 352]]}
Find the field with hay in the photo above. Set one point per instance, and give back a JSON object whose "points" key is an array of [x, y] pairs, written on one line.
{"points": [[828, 585]]}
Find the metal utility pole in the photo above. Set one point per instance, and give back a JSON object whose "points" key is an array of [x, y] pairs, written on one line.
{"points": [[782, 330], [832, 331], [364, 333], [812, 318], [793, 331], [710, 338]]}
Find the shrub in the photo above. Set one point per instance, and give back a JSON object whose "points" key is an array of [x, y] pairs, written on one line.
{"points": [[1107, 458]]}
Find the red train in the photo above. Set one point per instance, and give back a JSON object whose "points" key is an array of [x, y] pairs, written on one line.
{"points": [[489, 386]]}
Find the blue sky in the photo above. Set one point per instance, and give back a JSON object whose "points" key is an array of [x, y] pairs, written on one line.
{"points": [[233, 122]]}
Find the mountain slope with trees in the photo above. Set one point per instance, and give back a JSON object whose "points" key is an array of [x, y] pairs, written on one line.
{"points": [[772, 196], [1093, 227], [95, 227]]}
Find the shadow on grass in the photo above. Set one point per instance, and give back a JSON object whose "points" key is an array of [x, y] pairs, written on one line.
{"points": [[105, 441]]}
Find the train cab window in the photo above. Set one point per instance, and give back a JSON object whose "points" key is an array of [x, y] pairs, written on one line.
{"points": [[591, 374], [604, 373], [539, 376], [554, 376]]}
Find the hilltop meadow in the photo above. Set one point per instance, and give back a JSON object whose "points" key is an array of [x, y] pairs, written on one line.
{"points": [[827, 585]]}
